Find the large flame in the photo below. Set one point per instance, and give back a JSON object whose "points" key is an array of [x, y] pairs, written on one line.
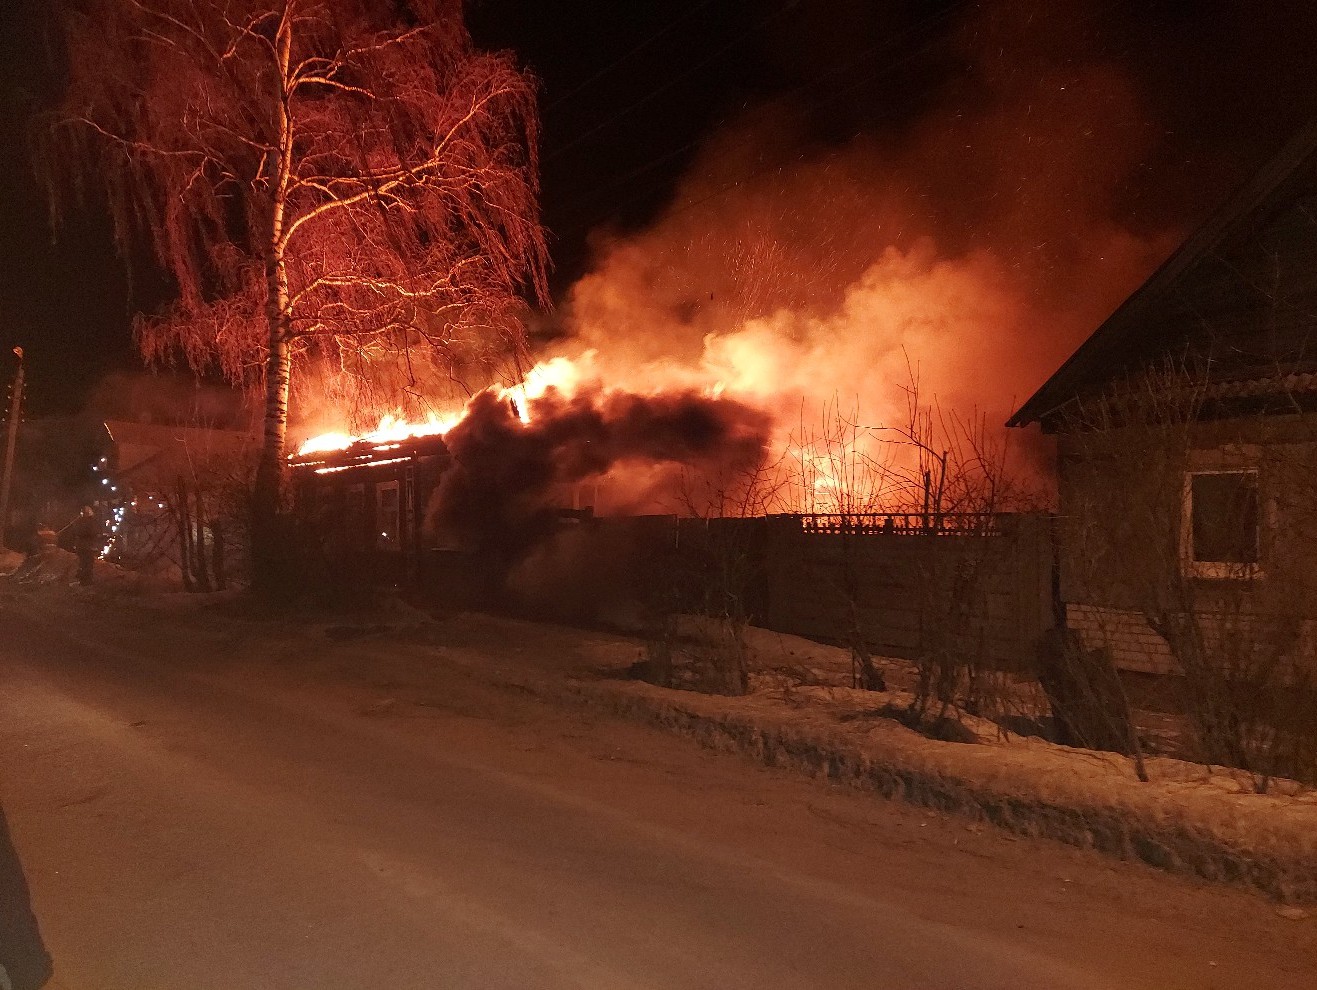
{"points": [[561, 374], [391, 429], [818, 474]]}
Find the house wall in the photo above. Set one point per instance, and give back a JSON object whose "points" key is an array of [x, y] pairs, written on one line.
{"points": [[1123, 539], [341, 511]]}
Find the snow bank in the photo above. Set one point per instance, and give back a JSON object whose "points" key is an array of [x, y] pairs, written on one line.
{"points": [[1201, 821], [10, 561], [1188, 819]]}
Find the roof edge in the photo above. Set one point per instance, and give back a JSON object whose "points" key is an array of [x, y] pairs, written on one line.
{"points": [[1236, 210]]}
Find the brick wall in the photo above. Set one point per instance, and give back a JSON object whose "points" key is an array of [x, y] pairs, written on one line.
{"points": [[1132, 642]]}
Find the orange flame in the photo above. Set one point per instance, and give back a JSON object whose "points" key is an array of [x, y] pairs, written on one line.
{"points": [[561, 374]]}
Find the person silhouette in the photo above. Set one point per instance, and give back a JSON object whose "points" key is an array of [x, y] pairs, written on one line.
{"points": [[24, 962], [88, 536]]}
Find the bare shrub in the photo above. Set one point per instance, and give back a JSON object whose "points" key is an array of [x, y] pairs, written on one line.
{"points": [[709, 592], [964, 492], [189, 513], [844, 474], [925, 510]]}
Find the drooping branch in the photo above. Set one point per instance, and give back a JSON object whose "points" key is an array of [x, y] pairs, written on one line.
{"points": [[381, 163]]}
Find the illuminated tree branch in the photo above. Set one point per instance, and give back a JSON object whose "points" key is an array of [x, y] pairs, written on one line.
{"points": [[335, 181]]}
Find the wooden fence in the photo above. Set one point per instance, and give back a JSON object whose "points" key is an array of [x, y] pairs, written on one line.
{"points": [[898, 581], [911, 582]]}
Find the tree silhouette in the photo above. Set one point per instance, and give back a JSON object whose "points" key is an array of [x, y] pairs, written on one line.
{"points": [[348, 182]]}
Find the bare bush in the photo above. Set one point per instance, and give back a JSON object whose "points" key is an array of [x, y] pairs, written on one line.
{"points": [[845, 475], [707, 595], [926, 506], [961, 480]]}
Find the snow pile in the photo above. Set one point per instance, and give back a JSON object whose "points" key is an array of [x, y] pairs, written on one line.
{"points": [[10, 561], [53, 566], [1202, 821], [1197, 820], [50, 566]]}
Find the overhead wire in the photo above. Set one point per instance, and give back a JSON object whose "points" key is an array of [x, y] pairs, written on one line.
{"points": [[630, 53], [680, 77]]}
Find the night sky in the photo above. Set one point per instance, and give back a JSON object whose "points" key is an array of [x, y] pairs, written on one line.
{"points": [[632, 92]]}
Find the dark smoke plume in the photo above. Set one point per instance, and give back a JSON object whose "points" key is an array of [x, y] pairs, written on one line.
{"points": [[506, 473]]}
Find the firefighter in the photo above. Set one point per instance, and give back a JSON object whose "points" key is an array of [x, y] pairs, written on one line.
{"points": [[88, 540]]}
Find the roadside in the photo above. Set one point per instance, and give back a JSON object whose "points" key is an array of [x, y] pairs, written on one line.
{"points": [[1205, 822], [1189, 819], [339, 792]]}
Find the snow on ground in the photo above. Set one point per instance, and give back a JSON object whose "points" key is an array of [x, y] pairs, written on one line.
{"points": [[1204, 821], [54, 566], [10, 561]]}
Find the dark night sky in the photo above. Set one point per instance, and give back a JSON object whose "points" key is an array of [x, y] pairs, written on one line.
{"points": [[631, 90]]}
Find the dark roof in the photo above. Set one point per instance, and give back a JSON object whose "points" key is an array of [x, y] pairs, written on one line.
{"points": [[155, 455], [1238, 298]]}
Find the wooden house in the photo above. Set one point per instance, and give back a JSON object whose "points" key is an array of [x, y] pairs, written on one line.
{"points": [[367, 502], [1186, 431]]}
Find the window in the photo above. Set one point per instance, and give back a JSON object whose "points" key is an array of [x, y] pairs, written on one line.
{"points": [[355, 520], [388, 517], [1222, 516]]}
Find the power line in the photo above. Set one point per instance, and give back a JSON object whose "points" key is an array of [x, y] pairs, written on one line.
{"points": [[558, 101], [755, 173], [927, 24]]}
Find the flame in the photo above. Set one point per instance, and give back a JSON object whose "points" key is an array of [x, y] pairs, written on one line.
{"points": [[561, 374], [391, 431]]}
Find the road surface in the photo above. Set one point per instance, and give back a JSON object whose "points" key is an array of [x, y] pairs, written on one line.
{"points": [[191, 804]]}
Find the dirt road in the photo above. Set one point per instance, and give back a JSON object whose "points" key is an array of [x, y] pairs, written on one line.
{"points": [[197, 802]]}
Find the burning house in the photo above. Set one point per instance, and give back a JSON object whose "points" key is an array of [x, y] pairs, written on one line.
{"points": [[366, 499], [483, 505], [500, 476], [1187, 442]]}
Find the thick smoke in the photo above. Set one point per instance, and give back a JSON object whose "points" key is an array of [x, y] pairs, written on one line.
{"points": [[169, 399], [972, 250], [507, 473]]}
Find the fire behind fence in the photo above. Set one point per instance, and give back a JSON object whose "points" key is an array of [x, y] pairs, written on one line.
{"points": [[903, 523]]}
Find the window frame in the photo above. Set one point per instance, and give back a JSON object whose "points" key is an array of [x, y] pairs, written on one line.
{"points": [[396, 544], [1190, 566]]}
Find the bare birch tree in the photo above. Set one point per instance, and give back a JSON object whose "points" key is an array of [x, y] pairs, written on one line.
{"points": [[344, 181]]}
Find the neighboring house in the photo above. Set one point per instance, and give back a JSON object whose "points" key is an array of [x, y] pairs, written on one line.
{"points": [[1187, 443], [183, 486], [157, 458]]}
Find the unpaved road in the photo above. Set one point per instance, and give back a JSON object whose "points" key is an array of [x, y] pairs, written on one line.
{"points": [[202, 802]]}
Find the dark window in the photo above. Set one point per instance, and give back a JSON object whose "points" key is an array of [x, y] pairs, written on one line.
{"points": [[355, 520], [1224, 514], [389, 517]]}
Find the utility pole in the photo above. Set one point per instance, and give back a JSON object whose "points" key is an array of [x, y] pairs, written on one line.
{"points": [[15, 411]]}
